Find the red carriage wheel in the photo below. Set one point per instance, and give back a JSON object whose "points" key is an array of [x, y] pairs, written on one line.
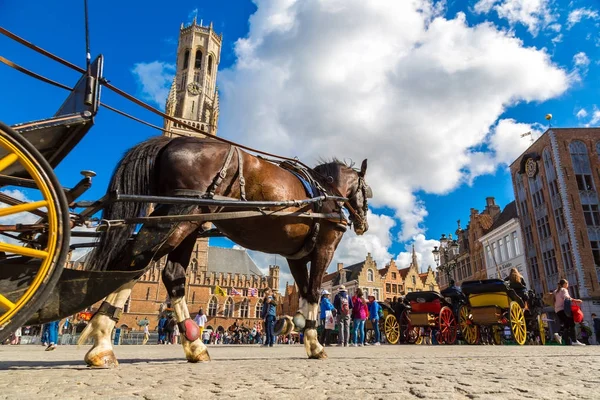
{"points": [[448, 326]]}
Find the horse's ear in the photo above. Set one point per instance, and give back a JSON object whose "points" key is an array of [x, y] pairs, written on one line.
{"points": [[363, 168]]}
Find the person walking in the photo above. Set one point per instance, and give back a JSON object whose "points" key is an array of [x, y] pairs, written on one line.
{"points": [[162, 323], [359, 316], [561, 294], [269, 313], [200, 320], [327, 310], [343, 307], [52, 335], [374, 310], [596, 324], [146, 334]]}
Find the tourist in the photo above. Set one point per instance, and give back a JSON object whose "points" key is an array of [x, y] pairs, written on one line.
{"points": [[205, 337], [175, 337], [52, 329], [162, 323], [343, 306], [269, 313], [596, 324], [146, 334], [374, 310], [517, 283], [359, 316], [200, 320], [560, 295], [327, 311]]}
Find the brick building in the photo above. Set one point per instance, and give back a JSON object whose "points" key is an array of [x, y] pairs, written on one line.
{"points": [[363, 274], [290, 300], [398, 282], [556, 182]]}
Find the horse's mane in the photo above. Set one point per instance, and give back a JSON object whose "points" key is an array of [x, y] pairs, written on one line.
{"points": [[332, 167]]}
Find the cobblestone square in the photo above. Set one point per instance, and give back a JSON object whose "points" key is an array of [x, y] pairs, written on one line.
{"points": [[283, 372]]}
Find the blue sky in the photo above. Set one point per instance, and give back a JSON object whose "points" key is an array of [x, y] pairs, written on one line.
{"points": [[436, 94]]}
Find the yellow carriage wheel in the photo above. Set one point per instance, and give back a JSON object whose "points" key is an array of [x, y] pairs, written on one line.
{"points": [[541, 329], [470, 331], [517, 323], [48, 242], [497, 334], [391, 329]]}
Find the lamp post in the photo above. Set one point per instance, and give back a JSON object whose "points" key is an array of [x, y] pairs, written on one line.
{"points": [[444, 255]]}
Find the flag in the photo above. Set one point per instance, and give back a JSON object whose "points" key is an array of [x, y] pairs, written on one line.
{"points": [[253, 292], [234, 292], [219, 291]]}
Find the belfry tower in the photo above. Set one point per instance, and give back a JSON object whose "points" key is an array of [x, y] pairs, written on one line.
{"points": [[193, 97]]}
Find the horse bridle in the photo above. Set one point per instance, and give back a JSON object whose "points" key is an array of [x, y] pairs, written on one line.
{"points": [[367, 193]]}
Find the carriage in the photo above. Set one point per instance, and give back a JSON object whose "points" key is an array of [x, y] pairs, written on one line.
{"points": [[37, 226], [493, 305]]}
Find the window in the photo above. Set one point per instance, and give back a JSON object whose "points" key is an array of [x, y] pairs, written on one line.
{"points": [[550, 265], [394, 288], [495, 252], [553, 187], [228, 309], [579, 158], [210, 64], [488, 254], [400, 289], [197, 77], [502, 247], [515, 238], [414, 280], [388, 287], [524, 211], [393, 275], [566, 255], [376, 294], [543, 227], [559, 218], [259, 307], [508, 247], [244, 309], [183, 81], [538, 199], [366, 292], [186, 59], [431, 288], [198, 59], [212, 307], [147, 293], [533, 268], [595, 245], [584, 182], [590, 212], [370, 275], [598, 148], [193, 297]]}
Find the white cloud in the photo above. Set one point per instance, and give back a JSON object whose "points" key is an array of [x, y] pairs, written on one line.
{"points": [[386, 81], [581, 113], [155, 80], [581, 60], [557, 39], [595, 117], [534, 14], [423, 250], [578, 14]]}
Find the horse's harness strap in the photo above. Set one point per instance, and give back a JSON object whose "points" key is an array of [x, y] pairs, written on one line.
{"points": [[241, 174], [210, 192], [110, 311], [309, 244]]}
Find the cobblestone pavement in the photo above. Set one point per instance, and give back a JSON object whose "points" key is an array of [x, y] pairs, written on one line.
{"points": [[283, 372]]}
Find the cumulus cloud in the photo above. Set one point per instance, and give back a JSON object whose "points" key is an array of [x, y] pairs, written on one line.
{"points": [[423, 251], [595, 117], [578, 14], [155, 80], [534, 14]]}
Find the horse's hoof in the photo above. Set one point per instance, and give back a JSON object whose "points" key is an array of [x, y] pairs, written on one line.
{"points": [[319, 356], [203, 356], [105, 359]]}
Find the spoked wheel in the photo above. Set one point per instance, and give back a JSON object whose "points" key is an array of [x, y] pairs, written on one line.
{"points": [[391, 328], [469, 330], [497, 334], [448, 326], [517, 323], [541, 330], [34, 233], [408, 333]]}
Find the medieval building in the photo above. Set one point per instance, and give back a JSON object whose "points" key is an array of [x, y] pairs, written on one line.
{"points": [[398, 282]]}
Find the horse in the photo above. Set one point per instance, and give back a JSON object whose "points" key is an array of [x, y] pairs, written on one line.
{"points": [[205, 167]]}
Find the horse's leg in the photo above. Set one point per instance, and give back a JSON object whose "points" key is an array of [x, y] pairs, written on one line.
{"points": [[152, 242], [174, 279], [299, 271]]}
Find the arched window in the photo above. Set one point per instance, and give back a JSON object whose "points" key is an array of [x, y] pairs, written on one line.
{"points": [[198, 60], [370, 275], [581, 165], [228, 310], [259, 307], [549, 165], [598, 148], [210, 64], [244, 309], [212, 307], [186, 59]]}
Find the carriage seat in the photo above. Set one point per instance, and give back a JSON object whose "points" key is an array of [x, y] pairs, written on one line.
{"points": [[453, 293], [491, 286], [426, 302]]}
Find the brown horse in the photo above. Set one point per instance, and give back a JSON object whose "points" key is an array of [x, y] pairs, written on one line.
{"points": [[193, 167]]}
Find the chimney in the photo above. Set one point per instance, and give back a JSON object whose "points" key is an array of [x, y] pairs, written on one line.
{"points": [[340, 266]]}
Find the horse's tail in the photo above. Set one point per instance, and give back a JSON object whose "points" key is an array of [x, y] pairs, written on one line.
{"points": [[133, 175]]}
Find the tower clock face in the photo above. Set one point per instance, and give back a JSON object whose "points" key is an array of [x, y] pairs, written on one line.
{"points": [[531, 168], [194, 88]]}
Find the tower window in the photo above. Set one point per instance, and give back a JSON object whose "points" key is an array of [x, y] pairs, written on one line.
{"points": [[210, 64], [197, 76], [198, 60], [186, 59]]}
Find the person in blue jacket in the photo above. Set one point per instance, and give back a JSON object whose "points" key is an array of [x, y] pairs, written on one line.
{"points": [[325, 306], [374, 310]]}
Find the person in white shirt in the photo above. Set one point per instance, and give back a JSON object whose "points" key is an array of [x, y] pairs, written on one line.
{"points": [[200, 319], [146, 334], [560, 295]]}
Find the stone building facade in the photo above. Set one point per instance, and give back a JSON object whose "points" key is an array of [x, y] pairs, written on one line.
{"points": [[398, 282], [556, 183], [362, 275]]}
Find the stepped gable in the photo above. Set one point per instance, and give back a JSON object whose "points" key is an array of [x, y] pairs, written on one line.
{"points": [[234, 261]]}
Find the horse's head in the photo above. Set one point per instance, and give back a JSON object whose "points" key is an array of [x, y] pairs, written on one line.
{"points": [[352, 185]]}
